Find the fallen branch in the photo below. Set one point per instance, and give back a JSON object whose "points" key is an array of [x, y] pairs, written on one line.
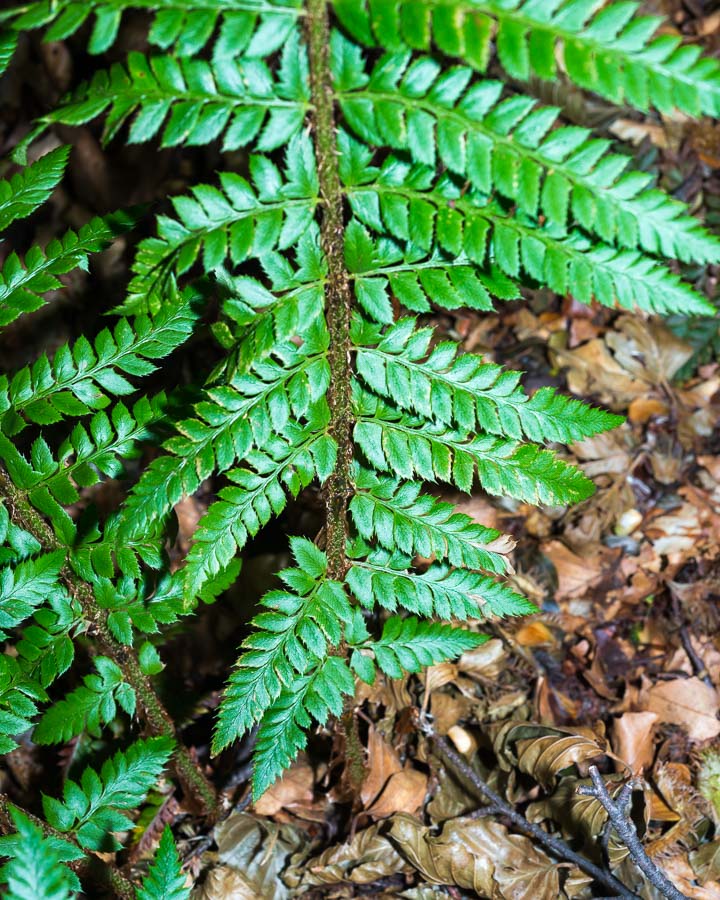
{"points": [[553, 844], [626, 831]]}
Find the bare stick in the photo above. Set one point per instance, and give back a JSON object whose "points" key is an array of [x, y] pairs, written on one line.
{"points": [[555, 845], [626, 831]]}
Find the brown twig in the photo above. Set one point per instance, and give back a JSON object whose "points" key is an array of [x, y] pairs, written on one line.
{"points": [[553, 844], [627, 832]]}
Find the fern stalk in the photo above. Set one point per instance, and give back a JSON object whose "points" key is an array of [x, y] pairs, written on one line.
{"points": [[338, 310], [150, 707]]}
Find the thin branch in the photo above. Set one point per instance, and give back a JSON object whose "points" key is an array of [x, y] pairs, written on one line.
{"points": [[555, 845], [627, 832], [150, 707]]}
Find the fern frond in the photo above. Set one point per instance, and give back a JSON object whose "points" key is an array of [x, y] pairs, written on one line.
{"points": [[22, 194], [407, 446], [610, 51], [238, 221], [165, 880], [193, 102], [8, 45], [287, 463], [472, 233], [255, 28], [45, 649], [300, 626], [230, 420], [80, 377], [88, 707], [36, 869], [400, 516], [26, 586], [440, 383], [22, 285], [90, 808], [410, 645], [440, 591], [508, 146], [283, 729], [20, 696]]}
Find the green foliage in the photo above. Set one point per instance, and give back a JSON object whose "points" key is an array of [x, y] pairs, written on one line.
{"points": [[35, 870], [432, 188], [256, 29], [88, 706], [611, 51], [165, 880], [91, 808]]}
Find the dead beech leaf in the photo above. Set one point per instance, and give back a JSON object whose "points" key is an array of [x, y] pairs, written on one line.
{"points": [[257, 851], [576, 574], [486, 661], [479, 855], [543, 751], [678, 870], [648, 349], [689, 703], [633, 740], [706, 861], [363, 860], [293, 788], [404, 792], [382, 762]]}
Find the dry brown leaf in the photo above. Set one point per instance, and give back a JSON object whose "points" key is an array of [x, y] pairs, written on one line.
{"points": [[404, 792], [382, 762], [542, 751], [706, 861], [479, 855], [592, 369], [678, 870], [633, 740], [257, 851], [534, 634], [486, 661], [294, 788], [226, 883], [576, 574], [689, 703], [363, 860]]}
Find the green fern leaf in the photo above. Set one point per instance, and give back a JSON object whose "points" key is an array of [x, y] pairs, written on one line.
{"points": [[300, 627], [36, 869], [441, 591], [283, 729], [23, 285], [87, 707], [409, 645], [609, 51], [22, 194], [90, 808], [165, 880]]}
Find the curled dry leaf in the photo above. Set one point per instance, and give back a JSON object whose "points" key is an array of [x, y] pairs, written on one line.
{"points": [[369, 856], [382, 762], [543, 751], [633, 741], [689, 703], [256, 851], [479, 855]]}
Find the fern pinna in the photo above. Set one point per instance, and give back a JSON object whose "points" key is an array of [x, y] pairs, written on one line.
{"points": [[387, 177]]}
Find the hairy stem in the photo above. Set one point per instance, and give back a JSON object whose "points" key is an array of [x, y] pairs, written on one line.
{"points": [[338, 298], [553, 844], [627, 832], [90, 868], [338, 304], [150, 707]]}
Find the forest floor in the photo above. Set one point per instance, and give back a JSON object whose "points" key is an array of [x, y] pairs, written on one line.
{"points": [[621, 665]]}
